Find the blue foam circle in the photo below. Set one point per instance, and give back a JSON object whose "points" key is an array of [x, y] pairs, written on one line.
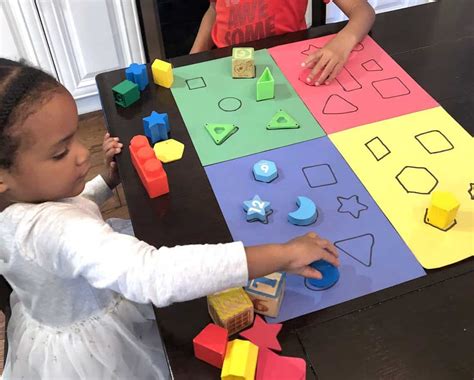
{"points": [[330, 275]]}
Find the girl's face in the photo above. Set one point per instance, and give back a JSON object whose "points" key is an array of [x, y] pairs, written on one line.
{"points": [[50, 163]]}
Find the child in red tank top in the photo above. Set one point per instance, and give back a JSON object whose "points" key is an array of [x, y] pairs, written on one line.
{"points": [[231, 22]]}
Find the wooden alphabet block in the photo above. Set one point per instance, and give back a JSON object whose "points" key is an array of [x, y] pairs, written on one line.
{"points": [[231, 309], [243, 63], [267, 293]]}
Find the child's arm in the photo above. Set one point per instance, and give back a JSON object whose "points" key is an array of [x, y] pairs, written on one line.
{"points": [[72, 242], [203, 39], [329, 61]]}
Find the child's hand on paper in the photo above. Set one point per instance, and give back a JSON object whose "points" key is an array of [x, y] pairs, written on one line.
{"points": [[328, 61]]}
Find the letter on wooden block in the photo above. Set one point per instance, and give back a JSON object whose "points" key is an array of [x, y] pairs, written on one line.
{"points": [[267, 293]]}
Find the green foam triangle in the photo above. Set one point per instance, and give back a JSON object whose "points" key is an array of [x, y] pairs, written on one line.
{"points": [[281, 120], [221, 132]]}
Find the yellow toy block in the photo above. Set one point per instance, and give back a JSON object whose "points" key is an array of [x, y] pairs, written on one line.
{"points": [[442, 210], [169, 150], [240, 360], [162, 73], [267, 293], [231, 309]]}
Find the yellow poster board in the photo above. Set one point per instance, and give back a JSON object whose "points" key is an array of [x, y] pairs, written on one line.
{"points": [[401, 162]]}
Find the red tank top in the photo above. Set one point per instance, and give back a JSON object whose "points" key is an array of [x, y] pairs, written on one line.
{"points": [[240, 21]]}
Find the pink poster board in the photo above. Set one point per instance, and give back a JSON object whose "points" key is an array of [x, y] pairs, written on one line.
{"points": [[371, 87]]}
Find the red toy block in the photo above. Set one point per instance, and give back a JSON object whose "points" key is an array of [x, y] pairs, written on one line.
{"points": [[263, 335], [272, 366], [210, 345], [148, 167]]}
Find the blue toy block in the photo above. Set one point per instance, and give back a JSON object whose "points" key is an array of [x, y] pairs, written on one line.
{"points": [[265, 171], [330, 275], [137, 74], [306, 214], [257, 209], [156, 127]]}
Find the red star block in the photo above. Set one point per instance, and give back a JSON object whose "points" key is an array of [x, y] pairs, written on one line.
{"points": [[263, 334], [272, 366]]}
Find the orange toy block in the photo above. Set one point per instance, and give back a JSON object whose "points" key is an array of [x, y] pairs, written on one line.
{"points": [[210, 345], [148, 167]]}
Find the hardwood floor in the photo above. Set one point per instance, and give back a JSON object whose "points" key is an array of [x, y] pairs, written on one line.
{"points": [[91, 133]]}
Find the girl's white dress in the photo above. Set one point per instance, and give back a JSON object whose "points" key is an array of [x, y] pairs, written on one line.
{"points": [[73, 281]]}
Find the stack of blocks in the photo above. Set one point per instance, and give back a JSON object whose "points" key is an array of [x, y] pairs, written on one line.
{"points": [[243, 63], [231, 309], [148, 167]]}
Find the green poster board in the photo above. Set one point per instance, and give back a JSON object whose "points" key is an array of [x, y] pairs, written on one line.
{"points": [[206, 93]]}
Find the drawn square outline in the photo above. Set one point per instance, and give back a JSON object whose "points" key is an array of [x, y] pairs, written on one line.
{"points": [[191, 87], [333, 181]]}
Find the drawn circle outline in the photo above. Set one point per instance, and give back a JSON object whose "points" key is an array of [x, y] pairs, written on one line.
{"points": [[228, 109]]}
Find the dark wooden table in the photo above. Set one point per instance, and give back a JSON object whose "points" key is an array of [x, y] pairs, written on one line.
{"points": [[422, 329]]}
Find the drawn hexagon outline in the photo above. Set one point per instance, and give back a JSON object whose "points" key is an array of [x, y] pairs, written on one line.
{"points": [[426, 185]]}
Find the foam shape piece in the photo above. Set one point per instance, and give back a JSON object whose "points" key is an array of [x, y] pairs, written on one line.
{"points": [[272, 366], [240, 360], [370, 87], [434, 248], [162, 73], [149, 168], [156, 126], [330, 275], [126, 93], [265, 86], [263, 335], [221, 132], [267, 293], [138, 74], [257, 209], [210, 345], [169, 150], [282, 120], [442, 210], [231, 309], [306, 214], [243, 62], [265, 171]]}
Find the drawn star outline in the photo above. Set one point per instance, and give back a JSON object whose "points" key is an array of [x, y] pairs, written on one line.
{"points": [[471, 191], [351, 205]]}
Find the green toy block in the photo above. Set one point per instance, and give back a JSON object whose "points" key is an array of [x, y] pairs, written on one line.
{"points": [[281, 120], [221, 132], [265, 86], [126, 93]]}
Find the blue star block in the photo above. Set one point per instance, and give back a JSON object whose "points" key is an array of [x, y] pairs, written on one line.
{"points": [[156, 126], [351, 206], [137, 74], [265, 171], [306, 214], [330, 275], [257, 209]]}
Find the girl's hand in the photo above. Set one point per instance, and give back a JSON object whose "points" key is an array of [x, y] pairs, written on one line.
{"points": [[111, 146], [303, 250], [327, 62]]}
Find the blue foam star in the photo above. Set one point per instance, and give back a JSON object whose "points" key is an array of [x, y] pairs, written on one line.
{"points": [[156, 126], [257, 209], [137, 73], [351, 206]]}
